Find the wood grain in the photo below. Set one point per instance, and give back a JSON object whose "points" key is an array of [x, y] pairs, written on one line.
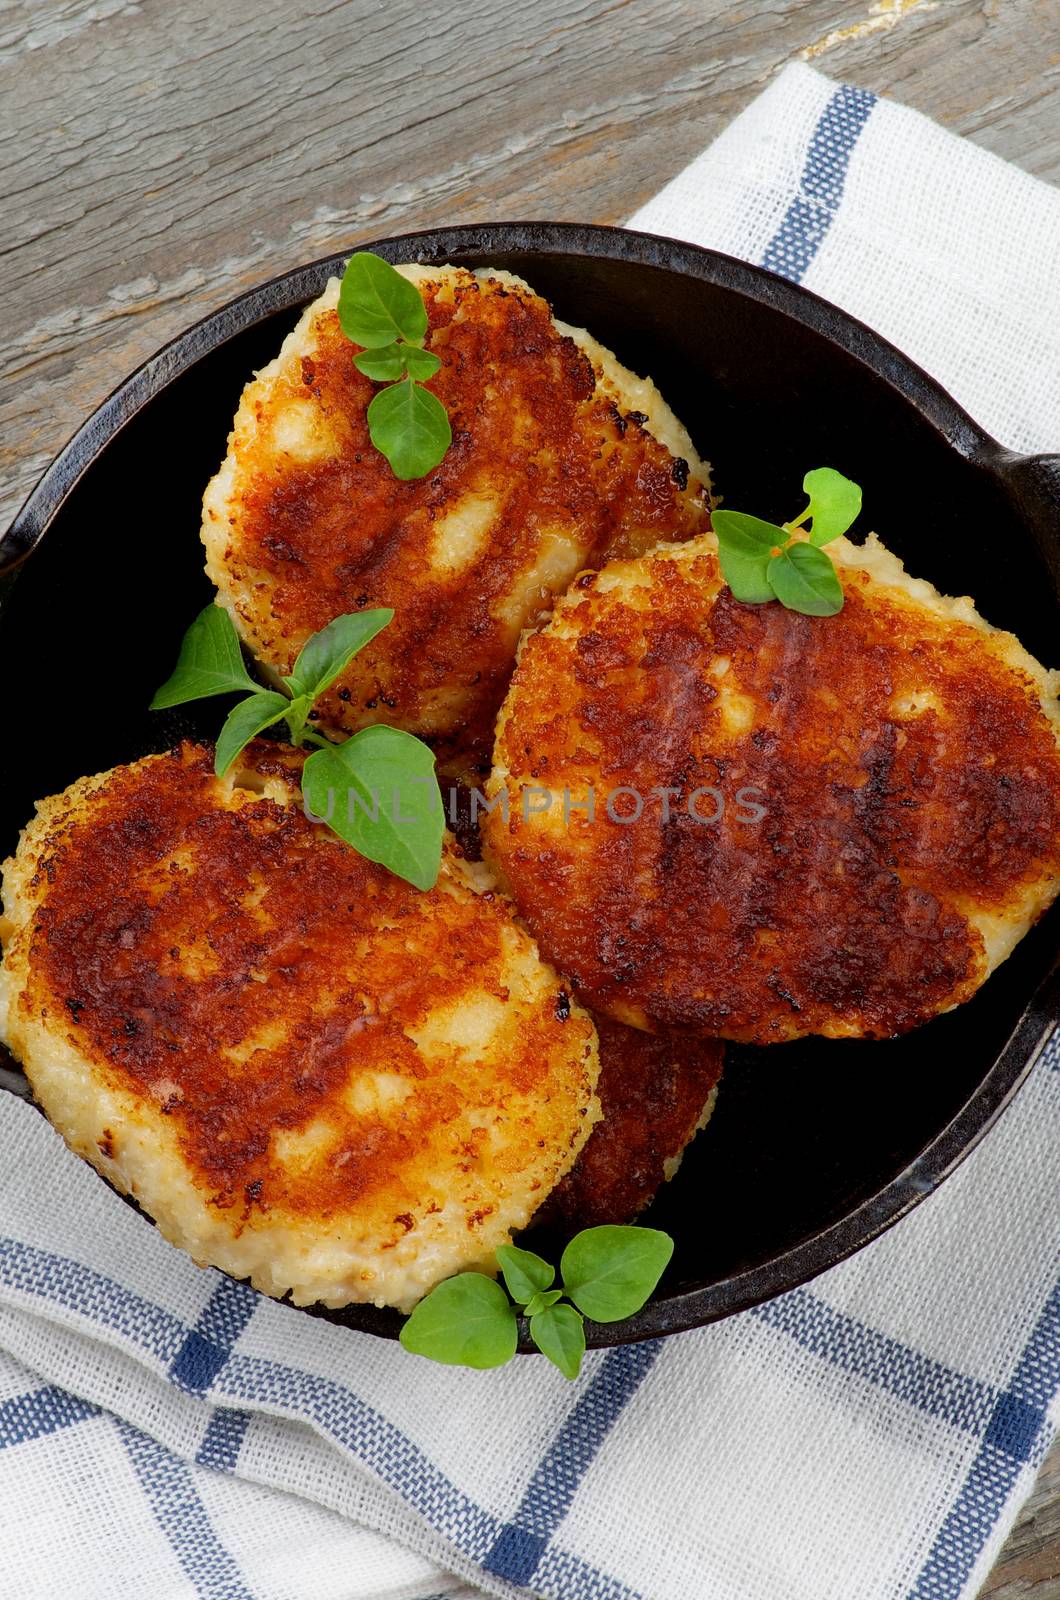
{"points": [[158, 159], [1029, 1565]]}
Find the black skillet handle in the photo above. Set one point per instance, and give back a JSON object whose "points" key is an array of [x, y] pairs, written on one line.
{"points": [[1037, 477], [1034, 483]]}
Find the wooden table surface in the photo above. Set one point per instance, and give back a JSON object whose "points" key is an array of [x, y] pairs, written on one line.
{"points": [[159, 157]]}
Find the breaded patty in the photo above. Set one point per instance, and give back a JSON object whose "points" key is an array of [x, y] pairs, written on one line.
{"points": [[309, 1073], [657, 1091], [560, 459], [888, 778]]}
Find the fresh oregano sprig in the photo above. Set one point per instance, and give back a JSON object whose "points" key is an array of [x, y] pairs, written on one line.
{"points": [[383, 312], [377, 790], [762, 561], [606, 1273]]}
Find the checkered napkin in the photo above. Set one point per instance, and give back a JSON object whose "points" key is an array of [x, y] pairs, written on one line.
{"points": [[165, 1432]]}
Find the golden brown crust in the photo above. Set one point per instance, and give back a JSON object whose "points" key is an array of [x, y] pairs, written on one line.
{"points": [[331, 1058], [906, 757], [545, 475], [655, 1092]]}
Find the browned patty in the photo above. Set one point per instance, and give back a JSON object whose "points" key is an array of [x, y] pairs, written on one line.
{"points": [[905, 756], [656, 1091], [552, 469], [307, 1071]]}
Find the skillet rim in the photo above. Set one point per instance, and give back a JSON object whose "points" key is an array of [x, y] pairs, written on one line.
{"points": [[1033, 481]]}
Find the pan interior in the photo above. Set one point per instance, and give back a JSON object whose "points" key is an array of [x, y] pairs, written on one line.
{"points": [[804, 1133]]}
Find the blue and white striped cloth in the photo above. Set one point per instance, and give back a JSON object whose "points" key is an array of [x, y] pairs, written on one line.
{"points": [[166, 1433]]}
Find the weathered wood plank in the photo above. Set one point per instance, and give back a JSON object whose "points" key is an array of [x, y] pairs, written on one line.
{"points": [[1029, 1566], [156, 160], [33, 24]]}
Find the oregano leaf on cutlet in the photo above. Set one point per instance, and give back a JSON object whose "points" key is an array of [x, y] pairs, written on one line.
{"points": [[244, 722], [378, 791], [296, 716], [465, 1321], [393, 361], [410, 426], [745, 545], [834, 503], [385, 365], [210, 662], [524, 1273], [382, 311], [421, 364], [559, 1333], [326, 653], [805, 580], [377, 304], [762, 561], [610, 1271], [753, 532]]}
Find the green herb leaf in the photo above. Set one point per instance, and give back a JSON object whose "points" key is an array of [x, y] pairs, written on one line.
{"points": [[244, 722], [325, 654], [610, 1271], [754, 533], [466, 1321], [805, 580], [834, 503], [410, 426], [210, 662], [385, 365], [524, 1273], [559, 1334], [378, 305], [297, 715], [745, 545], [379, 793], [381, 310], [394, 360], [420, 364], [541, 1301]]}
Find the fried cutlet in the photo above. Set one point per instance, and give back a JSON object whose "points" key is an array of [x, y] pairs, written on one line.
{"points": [[656, 1092], [560, 459], [888, 783], [307, 1072]]}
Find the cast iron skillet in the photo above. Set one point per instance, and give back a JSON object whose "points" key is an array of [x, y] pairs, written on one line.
{"points": [[816, 1146]]}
